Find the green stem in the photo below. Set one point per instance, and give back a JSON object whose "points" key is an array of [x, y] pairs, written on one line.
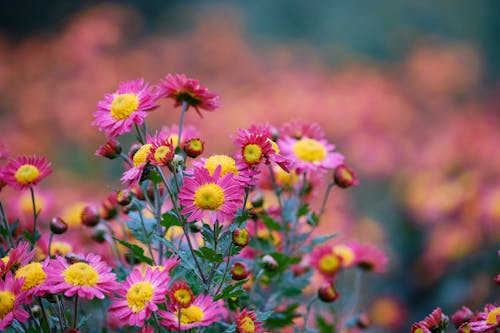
{"points": [[181, 121], [157, 214], [146, 235], [140, 135], [35, 217], [75, 312], [325, 199], [60, 312], [44, 313]]}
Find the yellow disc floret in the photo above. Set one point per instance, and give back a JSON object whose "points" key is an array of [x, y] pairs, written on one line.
{"points": [[493, 316], [26, 174], [309, 150], [252, 153], [60, 248], [209, 196], [33, 275], [346, 253], [285, 178], [141, 155], [329, 264], [183, 296], [274, 145], [139, 294], [247, 324], [228, 164], [123, 105], [7, 300], [81, 274], [190, 315], [161, 153]]}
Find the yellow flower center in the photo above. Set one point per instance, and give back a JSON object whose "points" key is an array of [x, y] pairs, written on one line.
{"points": [[26, 205], [26, 174], [328, 264], [309, 150], [123, 105], [274, 236], [139, 294], [81, 274], [419, 330], [239, 269], [247, 324], [141, 155], [228, 164], [60, 248], [192, 314], [157, 267], [175, 139], [174, 232], [346, 253], [274, 145], [33, 275], [252, 153], [195, 145], [283, 177], [209, 196], [161, 152], [7, 300], [5, 259], [493, 316], [183, 296]]}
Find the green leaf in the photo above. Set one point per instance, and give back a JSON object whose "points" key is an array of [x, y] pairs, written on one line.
{"points": [[323, 325], [209, 255], [232, 290], [170, 219], [303, 210], [137, 251], [312, 219], [270, 222], [242, 218], [283, 318], [290, 209]]}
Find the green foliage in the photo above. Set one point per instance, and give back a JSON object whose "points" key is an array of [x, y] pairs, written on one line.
{"points": [[137, 251]]}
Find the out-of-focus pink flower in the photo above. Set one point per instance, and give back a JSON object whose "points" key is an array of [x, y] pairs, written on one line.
{"points": [[13, 299], [25, 172], [246, 322]]}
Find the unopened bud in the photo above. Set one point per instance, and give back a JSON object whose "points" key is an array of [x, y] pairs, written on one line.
{"points": [[269, 262], [58, 226], [111, 149], [194, 147], [177, 161], [299, 269], [239, 271], [90, 216], [327, 292], [461, 316], [345, 177], [257, 200], [124, 197], [99, 235], [241, 237], [109, 207]]}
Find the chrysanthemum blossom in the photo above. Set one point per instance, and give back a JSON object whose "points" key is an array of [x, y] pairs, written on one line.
{"points": [[180, 294], [139, 295], [132, 176], [326, 261], [34, 277], [18, 256], [26, 171], [188, 132], [87, 277], [436, 321], [182, 89], [111, 149], [308, 154], [118, 112], [203, 193], [12, 299], [487, 320], [369, 257], [246, 322], [203, 311], [161, 152]]}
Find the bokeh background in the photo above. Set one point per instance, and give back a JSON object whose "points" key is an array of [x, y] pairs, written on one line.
{"points": [[409, 91]]}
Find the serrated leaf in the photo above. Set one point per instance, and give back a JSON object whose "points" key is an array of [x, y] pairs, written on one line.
{"points": [[270, 222], [169, 219], [232, 290], [324, 326], [303, 210], [209, 255], [137, 251]]}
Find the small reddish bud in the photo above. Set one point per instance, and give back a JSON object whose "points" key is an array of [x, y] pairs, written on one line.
{"points": [[497, 279], [363, 321], [111, 149], [124, 197], [239, 271], [241, 237], [58, 226], [99, 235], [461, 316], [345, 177], [194, 147], [90, 216], [269, 262], [109, 207], [327, 292]]}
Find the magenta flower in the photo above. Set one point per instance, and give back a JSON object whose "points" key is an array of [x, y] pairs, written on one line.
{"points": [[25, 172], [18, 256], [246, 322], [12, 298], [118, 112]]}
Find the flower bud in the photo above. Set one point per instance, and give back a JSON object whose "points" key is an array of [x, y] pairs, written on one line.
{"points": [[300, 269], [99, 234], [177, 161], [109, 207], [327, 292], [239, 271], [497, 279], [90, 216], [461, 316], [58, 226], [124, 197], [269, 262], [257, 200], [194, 147], [345, 177], [241, 237], [111, 149]]}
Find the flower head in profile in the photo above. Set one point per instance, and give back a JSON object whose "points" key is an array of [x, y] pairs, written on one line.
{"points": [[139, 295], [111, 149], [12, 299], [185, 90], [25, 172], [87, 276], [203, 311], [134, 174], [326, 261], [369, 257], [487, 320], [246, 322], [119, 111], [436, 321], [18, 256], [204, 193]]}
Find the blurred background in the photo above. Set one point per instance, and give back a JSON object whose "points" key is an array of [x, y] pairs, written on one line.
{"points": [[409, 91]]}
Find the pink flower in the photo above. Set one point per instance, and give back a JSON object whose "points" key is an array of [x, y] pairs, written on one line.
{"points": [[246, 322], [12, 300], [218, 196], [139, 295], [34, 276], [437, 320], [486, 320], [182, 89], [326, 261], [25, 172], [117, 113], [18, 256], [87, 277], [369, 257], [203, 311]]}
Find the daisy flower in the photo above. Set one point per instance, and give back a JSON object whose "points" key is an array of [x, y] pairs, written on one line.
{"points": [[487, 320], [18, 256], [218, 196], [25, 172], [203, 311], [246, 322], [127, 106], [87, 277], [139, 295], [309, 154], [182, 89], [369, 257], [326, 261], [111, 149], [34, 277], [180, 294], [11, 300], [161, 152]]}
